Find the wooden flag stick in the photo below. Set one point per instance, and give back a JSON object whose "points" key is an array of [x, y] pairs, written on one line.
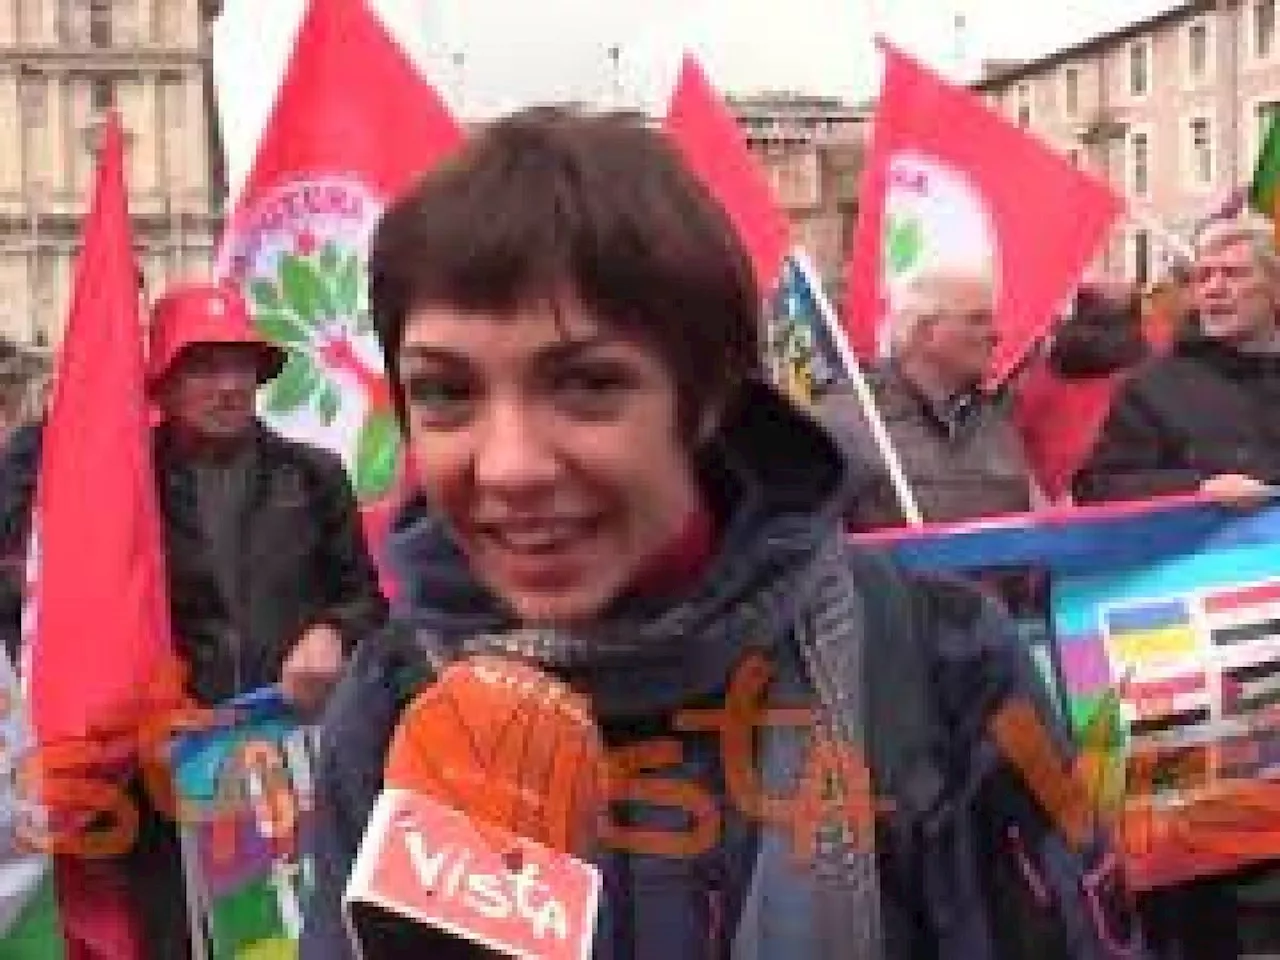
{"points": [[862, 389]]}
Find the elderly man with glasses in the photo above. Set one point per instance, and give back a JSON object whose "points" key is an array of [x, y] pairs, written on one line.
{"points": [[959, 450]]}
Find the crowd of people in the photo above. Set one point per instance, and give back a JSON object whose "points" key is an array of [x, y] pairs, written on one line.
{"points": [[607, 487]]}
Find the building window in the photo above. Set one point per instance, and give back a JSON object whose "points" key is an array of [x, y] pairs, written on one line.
{"points": [[1198, 50], [173, 94], [1264, 27], [173, 100], [33, 99], [1074, 156], [63, 26], [1141, 258], [42, 289], [1071, 91], [1139, 164], [1024, 104], [1140, 69], [100, 23], [101, 95], [1200, 147]]}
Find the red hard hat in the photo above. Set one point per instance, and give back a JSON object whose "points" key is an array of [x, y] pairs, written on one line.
{"points": [[194, 313]]}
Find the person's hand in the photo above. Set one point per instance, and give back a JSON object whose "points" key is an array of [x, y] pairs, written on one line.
{"points": [[1237, 490], [312, 668]]}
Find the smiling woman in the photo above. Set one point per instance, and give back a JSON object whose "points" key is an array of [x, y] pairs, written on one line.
{"points": [[551, 446], [553, 385], [614, 496]]}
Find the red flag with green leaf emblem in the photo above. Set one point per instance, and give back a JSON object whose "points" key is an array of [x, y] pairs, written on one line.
{"points": [[949, 185], [354, 125]]}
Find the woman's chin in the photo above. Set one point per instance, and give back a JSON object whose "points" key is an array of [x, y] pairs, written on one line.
{"points": [[564, 607]]}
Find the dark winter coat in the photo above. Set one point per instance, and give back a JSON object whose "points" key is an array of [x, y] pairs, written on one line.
{"points": [[19, 467], [304, 560], [1204, 409]]}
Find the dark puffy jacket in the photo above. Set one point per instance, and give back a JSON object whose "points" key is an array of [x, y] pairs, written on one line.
{"points": [[960, 832], [19, 467], [1205, 409], [304, 562]]}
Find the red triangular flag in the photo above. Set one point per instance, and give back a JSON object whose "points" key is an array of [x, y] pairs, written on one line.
{"points": [[99, 648], [354, 125], [708, 137], [972, 192], [100, 631]]}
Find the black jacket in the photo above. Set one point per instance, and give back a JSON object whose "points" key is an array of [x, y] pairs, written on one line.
{"points": [[305, 561], [1203, 410], [19, 467]]}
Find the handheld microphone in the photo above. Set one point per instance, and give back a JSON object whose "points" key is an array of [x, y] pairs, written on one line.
{"points": [[494, 787]]}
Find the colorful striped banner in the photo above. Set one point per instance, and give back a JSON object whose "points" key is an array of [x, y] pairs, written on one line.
{"points": [[1169, 614], [246, 794]]}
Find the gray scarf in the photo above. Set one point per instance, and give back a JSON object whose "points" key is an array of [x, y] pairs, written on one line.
{"points": [[646, 662]]}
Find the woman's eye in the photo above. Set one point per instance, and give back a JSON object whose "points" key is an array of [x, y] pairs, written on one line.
{"points": [[593, 393], [593, 381], [436, 396]]}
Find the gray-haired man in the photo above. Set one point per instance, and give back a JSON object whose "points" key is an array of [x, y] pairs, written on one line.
{"points": [[959, 451], [1203, 416]]}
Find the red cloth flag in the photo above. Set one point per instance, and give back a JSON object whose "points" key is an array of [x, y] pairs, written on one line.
{"points": [[101, 635], [709, 139], [949, 184], [1059, 421], [99, 643], [354, 125]]}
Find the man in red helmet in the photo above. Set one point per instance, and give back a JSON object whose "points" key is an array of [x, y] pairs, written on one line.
{"points": [[269, 577]]}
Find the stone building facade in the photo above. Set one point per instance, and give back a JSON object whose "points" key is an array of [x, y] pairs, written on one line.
{"points": [[1171, 110], [63, 63], [812, 150]]}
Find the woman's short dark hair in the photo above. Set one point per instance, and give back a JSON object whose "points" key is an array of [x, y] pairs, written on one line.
{"points": [[554, 206]]}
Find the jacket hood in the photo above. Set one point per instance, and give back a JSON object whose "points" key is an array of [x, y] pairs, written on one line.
{"points": [[778, 482]]}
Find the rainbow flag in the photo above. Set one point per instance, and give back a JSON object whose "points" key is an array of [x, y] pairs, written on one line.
{"points": [[246, 797]]}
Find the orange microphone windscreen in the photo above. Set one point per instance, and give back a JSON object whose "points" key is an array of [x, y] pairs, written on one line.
{"points": [[508, 745]]}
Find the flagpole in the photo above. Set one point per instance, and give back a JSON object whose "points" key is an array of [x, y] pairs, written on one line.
{"points": [[1168, 238], [862, 389], [614, 54], [459, 60]]}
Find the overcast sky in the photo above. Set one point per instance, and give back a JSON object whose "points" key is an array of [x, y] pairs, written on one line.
{"points": [[515, 50], [491, 56]]}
